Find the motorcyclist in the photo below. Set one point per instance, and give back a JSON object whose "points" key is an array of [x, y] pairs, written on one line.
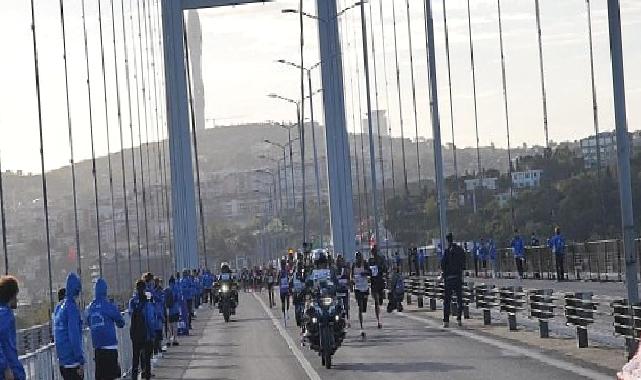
{"points": [[283, 285], [226, 276], [298, 289], [360, 274], [378, 273]]}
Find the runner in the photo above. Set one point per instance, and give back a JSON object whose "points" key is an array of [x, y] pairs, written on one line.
{"points": [[378, 272], [283, 283], [360, 274]]}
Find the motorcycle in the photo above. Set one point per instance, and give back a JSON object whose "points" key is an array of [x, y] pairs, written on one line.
{"points": [[227, 301], [325, 327]]}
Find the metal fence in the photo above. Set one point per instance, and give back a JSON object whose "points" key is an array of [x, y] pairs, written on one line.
{"points": [[41, 362], [593, 261]]}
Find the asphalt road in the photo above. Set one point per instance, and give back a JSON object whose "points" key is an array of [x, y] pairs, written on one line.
{"points": [[256, 345]]}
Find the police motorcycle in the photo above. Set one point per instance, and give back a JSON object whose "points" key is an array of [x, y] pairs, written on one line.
{"points": [[324, 315], [227, 292]]}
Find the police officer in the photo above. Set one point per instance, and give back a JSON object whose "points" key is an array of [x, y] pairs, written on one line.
{"points": [[452, 265]]}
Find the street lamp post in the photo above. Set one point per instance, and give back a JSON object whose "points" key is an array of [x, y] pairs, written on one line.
{"points": [[301, 134], [284, 149], [314, 146], [280, 181]]}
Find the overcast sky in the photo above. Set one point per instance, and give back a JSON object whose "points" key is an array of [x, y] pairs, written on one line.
{"points": [[241, 44]]}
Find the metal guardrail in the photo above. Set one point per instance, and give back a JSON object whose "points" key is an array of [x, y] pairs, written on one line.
{"points": [[41, 363]]}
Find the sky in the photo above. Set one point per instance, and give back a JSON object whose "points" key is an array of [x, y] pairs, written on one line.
{"points": [[241, 45]]}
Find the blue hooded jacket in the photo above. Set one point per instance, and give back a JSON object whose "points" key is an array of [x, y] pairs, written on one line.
{"points": [[8, 351], [557, 244], [68, 326], [159, 307], [208, 280], [187, 288], [173, 292], [102, 317], [518, 246], [148, 312]]}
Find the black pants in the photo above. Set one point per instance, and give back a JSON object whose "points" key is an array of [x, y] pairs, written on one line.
{"points": [[107, 367], [190, 310], [453, 285], [270, 291], [476, 266], [208, 296], [142, 359], [158, 342], [70, 373], [560, 271], [284, 301], [519, 265]]}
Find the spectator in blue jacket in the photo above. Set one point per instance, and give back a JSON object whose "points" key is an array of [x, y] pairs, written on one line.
{"points": [[10, 366], [208, 284], [103, 317], [67, 323], [143, 319], [159, 307], [172, 303], [518, 248], [557, 245], [187, 289], [198, 288]]}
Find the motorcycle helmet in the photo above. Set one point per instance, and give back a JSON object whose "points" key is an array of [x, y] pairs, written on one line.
{"points": [[224, 267], [320, 257]]}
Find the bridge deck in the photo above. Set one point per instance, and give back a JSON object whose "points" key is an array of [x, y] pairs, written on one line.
{"points": [[409, 346]]}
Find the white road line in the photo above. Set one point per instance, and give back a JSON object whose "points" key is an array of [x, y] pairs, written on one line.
{"points": [[307, 367], [545, 359]]}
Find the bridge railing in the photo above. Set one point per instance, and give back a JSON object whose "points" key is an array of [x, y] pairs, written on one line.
{"points": [[593, 261], [41, 363]]}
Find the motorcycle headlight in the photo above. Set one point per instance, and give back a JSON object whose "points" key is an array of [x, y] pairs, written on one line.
{"points": [[337, 318], [327, 301], [224, 288], [314, 320]]}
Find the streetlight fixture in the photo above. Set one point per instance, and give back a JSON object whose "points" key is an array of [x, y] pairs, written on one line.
{"points": [[301, 134], [311, 108], [308, 15]]}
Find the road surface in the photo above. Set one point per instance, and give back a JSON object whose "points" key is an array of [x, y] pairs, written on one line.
{"points": [[256, 345]]}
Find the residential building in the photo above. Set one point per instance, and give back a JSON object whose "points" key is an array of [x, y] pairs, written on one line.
{"points": [[527, 179]]}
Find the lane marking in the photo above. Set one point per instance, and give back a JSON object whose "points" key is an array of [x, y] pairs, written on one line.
{"points": [[543, 358], [293, 347]]}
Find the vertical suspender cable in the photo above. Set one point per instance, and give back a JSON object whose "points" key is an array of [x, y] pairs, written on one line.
{"points": [[131, 125], [42, 154], [111, 182], [70, 132], [360, 122], [476, 115], [164, 152], [146, 97], [378, 118], [543, 94], [141, 83], [449, 83], [122, 145], [595, 114], [155, 199], [159, 173], [354, 118], [507, 116], [93, 147], [409, 33], [195, 142], [400, 100], [473, 66], [391, 140], [3, 223]]}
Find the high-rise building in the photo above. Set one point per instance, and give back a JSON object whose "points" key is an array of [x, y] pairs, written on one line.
{"points": [[195, 42], [378, 116]]}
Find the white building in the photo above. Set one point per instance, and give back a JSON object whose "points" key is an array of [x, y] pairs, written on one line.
{"points": [[607, 147], [475, 183], [526, 179]]}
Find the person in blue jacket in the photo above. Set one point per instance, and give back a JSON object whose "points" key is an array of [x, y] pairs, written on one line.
{"points": [[557, 245], [10, 366], [187, 289], [172, 303], [208, 284], [494, 258], [103, 317], [518, 248], [142, 331], [159, 307], [198, 288], [67, 327]]}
